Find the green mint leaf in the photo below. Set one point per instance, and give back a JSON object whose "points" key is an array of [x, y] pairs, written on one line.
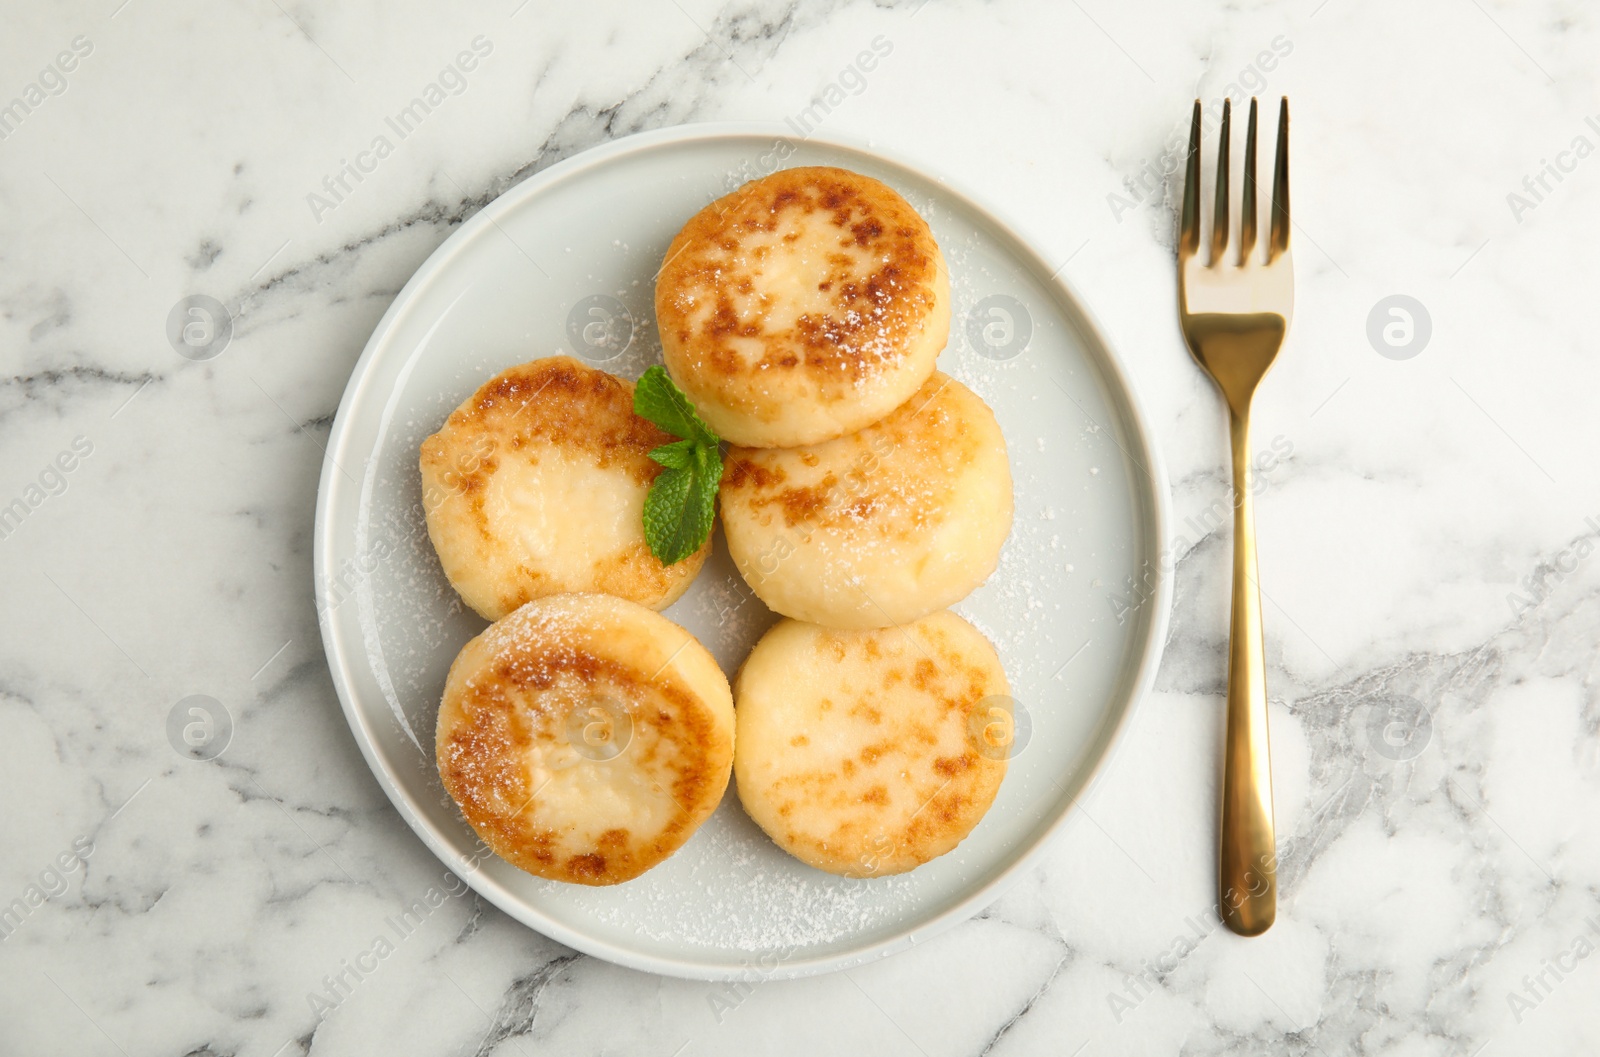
{"points": [[659, 400], [679, 455], [682, 504], [708, 460], [681, 507], [664, 509]]}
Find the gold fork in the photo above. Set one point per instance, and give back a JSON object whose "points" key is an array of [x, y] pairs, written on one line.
{"points": [[1234, 316]]}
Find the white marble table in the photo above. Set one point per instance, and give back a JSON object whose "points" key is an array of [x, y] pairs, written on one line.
{"points": [[1427, 537]]}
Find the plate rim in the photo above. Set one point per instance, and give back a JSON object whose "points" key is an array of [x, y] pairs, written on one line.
{"points": [[1157, 495]]}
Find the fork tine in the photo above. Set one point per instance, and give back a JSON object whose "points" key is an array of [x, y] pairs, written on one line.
{"points": [[1247, 208], [1189, 225], [1279, 241], [1219, 227]]}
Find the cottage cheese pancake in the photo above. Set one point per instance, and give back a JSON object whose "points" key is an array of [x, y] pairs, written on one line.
{"points": [[585, 738], [802, 306], [536, 486], [866, 753], [880, 527]]}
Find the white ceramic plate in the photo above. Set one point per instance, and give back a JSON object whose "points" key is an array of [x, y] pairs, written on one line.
{"points": [[563, 263]]}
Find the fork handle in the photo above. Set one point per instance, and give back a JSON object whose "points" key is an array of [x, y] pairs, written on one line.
{"points": [[1247, 883]]}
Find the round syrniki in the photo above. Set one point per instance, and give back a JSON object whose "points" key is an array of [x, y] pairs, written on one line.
{"points": [[802, 306], [866, 753], [881, 526], [536, 486], [585, 738]]}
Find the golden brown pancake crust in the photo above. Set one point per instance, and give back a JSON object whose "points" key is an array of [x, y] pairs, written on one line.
{"points": [[509, 700], [873, 290], [859, 751], [880, 526], [558, 409]]}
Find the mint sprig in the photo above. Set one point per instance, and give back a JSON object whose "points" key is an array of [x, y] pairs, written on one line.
{"points": [[682, 504]]}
